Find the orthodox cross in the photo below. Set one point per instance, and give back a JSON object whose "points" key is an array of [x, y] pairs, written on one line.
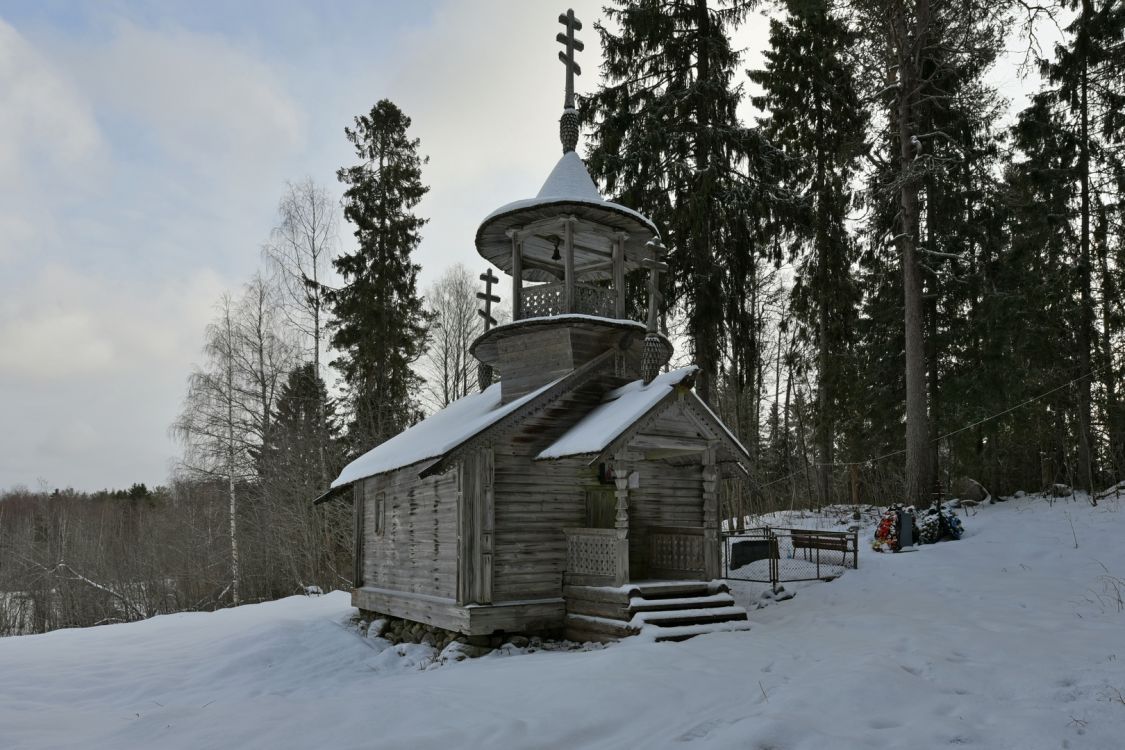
{"points": [[571, 44], [489, 279], [655, 267]]}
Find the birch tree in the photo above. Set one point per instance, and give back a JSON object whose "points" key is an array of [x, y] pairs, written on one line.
{"points": [[213, 425], [449, 369], [300, 252]]}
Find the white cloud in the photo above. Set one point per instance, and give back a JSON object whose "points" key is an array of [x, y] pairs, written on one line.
{"points": [[203, 98], [92, 372], [48, 137], [72, 440], [45, 116], [65, 325]]}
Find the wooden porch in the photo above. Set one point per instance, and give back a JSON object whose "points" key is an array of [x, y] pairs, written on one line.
{"points": [[601, 557]]}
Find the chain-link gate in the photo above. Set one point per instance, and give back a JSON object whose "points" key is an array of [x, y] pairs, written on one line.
{"points": [[772, 555]]}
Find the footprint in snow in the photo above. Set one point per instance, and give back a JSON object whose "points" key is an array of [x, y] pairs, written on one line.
{"points": [[700, 730]]}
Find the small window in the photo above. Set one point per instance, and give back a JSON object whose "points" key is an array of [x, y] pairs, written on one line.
{"points": [[374, 511], [380, 513]]}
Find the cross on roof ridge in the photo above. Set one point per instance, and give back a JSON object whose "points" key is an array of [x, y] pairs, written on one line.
{"points": [[572, 24]]}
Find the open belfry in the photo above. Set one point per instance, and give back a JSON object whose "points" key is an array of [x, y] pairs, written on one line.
{"points": [[577, 492]]}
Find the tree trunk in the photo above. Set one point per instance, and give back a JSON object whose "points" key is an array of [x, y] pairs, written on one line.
{"points": [[1109, 373], [231, 464], [824, 422], [1085, 438], [917, 419], [703, 262]]}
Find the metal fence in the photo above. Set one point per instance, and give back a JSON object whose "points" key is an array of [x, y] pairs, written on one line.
{"points": [[773, 555]]}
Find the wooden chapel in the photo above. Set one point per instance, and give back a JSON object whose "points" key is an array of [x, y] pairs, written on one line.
{"points": [[579, 492]]}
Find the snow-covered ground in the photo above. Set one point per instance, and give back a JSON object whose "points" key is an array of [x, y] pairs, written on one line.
{"points": [[1010, 638]]}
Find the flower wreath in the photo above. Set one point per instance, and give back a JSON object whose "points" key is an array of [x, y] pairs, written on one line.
{"points": [[935, 526], [886, 534]]}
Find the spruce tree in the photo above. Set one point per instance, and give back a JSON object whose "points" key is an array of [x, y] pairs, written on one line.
{"points": [[380, 324], [1086, 96], [911, 55], [815, 119], [310, 544], [304, 427], [667, 142]]}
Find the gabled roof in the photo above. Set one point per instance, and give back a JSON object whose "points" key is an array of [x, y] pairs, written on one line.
{"points": [[437, 442], [625, 410], [435, 435], [440, 437], [619, 409]]}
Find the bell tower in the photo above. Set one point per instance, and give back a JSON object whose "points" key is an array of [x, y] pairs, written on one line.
{"points": [[568, 252]]}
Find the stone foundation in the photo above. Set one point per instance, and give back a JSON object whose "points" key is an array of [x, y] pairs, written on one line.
{"points": [[398, 630]]}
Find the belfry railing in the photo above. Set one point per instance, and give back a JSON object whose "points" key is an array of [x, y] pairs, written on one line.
{"points": [[547, 300]]}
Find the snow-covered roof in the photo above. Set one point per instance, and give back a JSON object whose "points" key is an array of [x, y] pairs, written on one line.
{"points": [[435, 435], [619, 409], [568, 191], [570, 182]]}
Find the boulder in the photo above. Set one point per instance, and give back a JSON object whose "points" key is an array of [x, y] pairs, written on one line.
{"points": [[967, 488], [1060, 490], [458, 651]]}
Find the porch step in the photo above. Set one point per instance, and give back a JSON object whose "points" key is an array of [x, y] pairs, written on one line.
{"points": [[643, 604], [662, 610], [673, 589], [584, 628], [683, 632]]}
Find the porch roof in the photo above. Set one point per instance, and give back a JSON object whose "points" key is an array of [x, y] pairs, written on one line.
{"points": [[619, 410]]}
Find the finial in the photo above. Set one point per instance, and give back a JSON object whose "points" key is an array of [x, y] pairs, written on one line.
{"points": [[568, 124], [653, 354]]}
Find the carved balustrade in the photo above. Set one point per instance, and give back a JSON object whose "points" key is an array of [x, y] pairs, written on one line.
{"points": [[546, 300]]}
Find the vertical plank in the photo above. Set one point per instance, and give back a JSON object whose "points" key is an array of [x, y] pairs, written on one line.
{"points": [[711, 561], [357, 510], [468, 538], [568, 261], [517, 275], [619, 275], [621, 522], [487, 522]]}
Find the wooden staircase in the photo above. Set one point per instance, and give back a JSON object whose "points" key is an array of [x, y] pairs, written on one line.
{"points": [[660, 610]]}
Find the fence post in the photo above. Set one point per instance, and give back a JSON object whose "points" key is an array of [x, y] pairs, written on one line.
{"points": [[775, 554]]}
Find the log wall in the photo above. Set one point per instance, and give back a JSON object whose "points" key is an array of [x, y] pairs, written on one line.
{"points": [[534, 502], [413, 548]]}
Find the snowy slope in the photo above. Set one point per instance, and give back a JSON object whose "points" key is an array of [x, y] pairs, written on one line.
{"points": [[1010, 638]]}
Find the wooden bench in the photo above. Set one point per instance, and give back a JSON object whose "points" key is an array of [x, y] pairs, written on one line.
{"points": [[829, 541]]}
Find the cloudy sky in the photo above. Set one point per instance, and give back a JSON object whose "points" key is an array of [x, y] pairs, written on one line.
{"points": [[144, 147]]}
